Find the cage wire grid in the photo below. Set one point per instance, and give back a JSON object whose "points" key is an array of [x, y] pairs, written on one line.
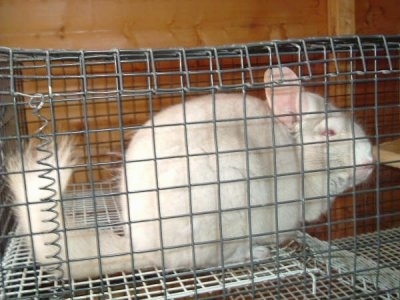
{"points": [[364, 265], [292, 273]]}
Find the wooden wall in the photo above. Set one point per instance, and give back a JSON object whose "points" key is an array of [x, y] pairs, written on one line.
{"points": [[105, 24]]}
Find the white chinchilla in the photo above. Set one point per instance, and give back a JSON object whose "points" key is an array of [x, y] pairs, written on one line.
{"points": [[212, 181]]}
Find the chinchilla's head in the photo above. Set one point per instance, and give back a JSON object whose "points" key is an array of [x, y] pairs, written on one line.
{"points": [[334, 151]]}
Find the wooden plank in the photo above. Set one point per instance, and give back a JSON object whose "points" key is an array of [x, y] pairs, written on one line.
{"points": [[105, 24], [377, 16], [388, 153], [341, 20]]}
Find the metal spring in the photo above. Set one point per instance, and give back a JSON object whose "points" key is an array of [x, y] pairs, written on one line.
{"points": [[2, 159], [2, 187], [36, 103]]}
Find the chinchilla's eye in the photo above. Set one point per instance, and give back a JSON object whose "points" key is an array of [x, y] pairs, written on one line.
{"points": [[328, 132]]}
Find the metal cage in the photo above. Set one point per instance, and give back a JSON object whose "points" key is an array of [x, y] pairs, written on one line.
{"points": [[101, 98]]}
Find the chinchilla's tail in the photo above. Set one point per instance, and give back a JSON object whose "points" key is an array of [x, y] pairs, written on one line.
{"points": [[37, 179]]}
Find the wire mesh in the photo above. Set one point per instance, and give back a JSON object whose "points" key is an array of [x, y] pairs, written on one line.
{"points": [[102, 97], [290, 275]]}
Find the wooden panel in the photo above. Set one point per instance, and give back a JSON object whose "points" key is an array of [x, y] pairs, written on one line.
{"points": [[341, 17], [105, 24], [389, 153], [377, 16]]}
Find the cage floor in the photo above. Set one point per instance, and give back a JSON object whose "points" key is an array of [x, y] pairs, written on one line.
{"points": [[366, 267]]}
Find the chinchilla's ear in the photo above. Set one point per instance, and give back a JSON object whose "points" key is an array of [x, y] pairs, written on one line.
{"points": [[283, 94]]}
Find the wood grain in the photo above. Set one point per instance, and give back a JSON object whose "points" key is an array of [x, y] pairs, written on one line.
{"points": [[341, 19], [377, 16], [105, 24]]}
